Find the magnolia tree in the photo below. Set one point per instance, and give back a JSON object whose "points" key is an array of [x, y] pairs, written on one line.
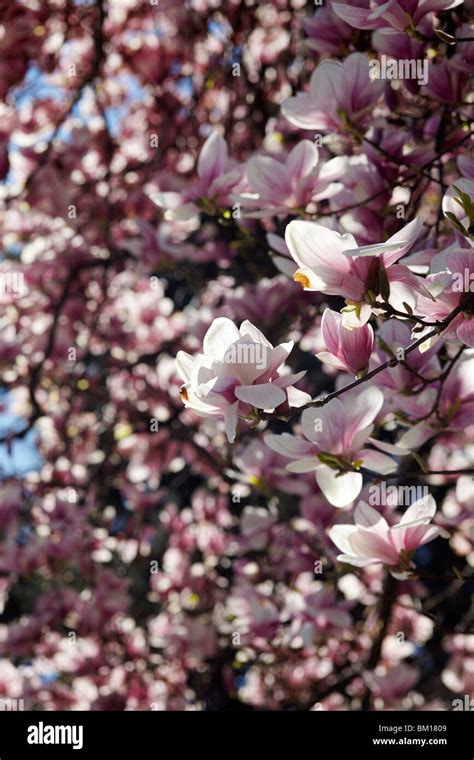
{"points": [[236, 355]]}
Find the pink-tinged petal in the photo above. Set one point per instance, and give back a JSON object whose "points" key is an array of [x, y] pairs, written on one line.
{"points": [[422, 509], [277, 244], [339, 490], [405, 238], [371, 250], [323, 426], [303, 112], [377, 462], [269, 178], [286, 380], [418, 536], [231, 420], [266, 396], [226, 183], [314, 246], [394, 248], [465, 332], [301, 160], [297, 398], [288, 445], [184, 365], [361, 91], [369, 545], [325, 84], [466, 163], [333, 169], [434, 6], [303, 465], [390, 13], [389, 448], [219, 336], [201, 406], [368, 517], [340, 534], [243, 360], [461, 262], [355, 17], [327, 358], [351, 559], [213, 158], [274, 358], [352, 348], [360, 410], [331, 332], [168, 200], [362, 437], [247, 328], [416, 436]]}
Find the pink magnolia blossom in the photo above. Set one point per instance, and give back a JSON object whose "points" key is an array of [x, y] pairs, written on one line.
{"points": [[346, 349], [396, 14], [292, 184], [392, 338], [314, 612], [454, 408], [217, 177], [446, 82], [238, 370], [326, 33], [333, 264], [391, 685], [336, 92], [335, 447], [448, 290], [371, 541]]}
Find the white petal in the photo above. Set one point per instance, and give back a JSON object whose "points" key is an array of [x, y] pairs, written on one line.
{"points": [[266, 396], [303, 465], [230, 421], [184, 365], [219, 337], [339, 490]]}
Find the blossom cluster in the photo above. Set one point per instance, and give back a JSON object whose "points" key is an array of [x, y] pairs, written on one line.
{"points": [[236, 354]]}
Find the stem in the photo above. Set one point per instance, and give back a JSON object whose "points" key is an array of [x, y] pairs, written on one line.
{"points": [[386, 365]]}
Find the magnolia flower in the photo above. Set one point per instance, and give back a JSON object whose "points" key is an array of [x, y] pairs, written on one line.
{"points": [[393, 684], [292, 184], [332, 263], [238, 369], [334, 449], [313, 612], [217, 177], [371, 541], [394, 14], [336, 92], [346, 349], [454, 406], [446, 291], [392, 339]]}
